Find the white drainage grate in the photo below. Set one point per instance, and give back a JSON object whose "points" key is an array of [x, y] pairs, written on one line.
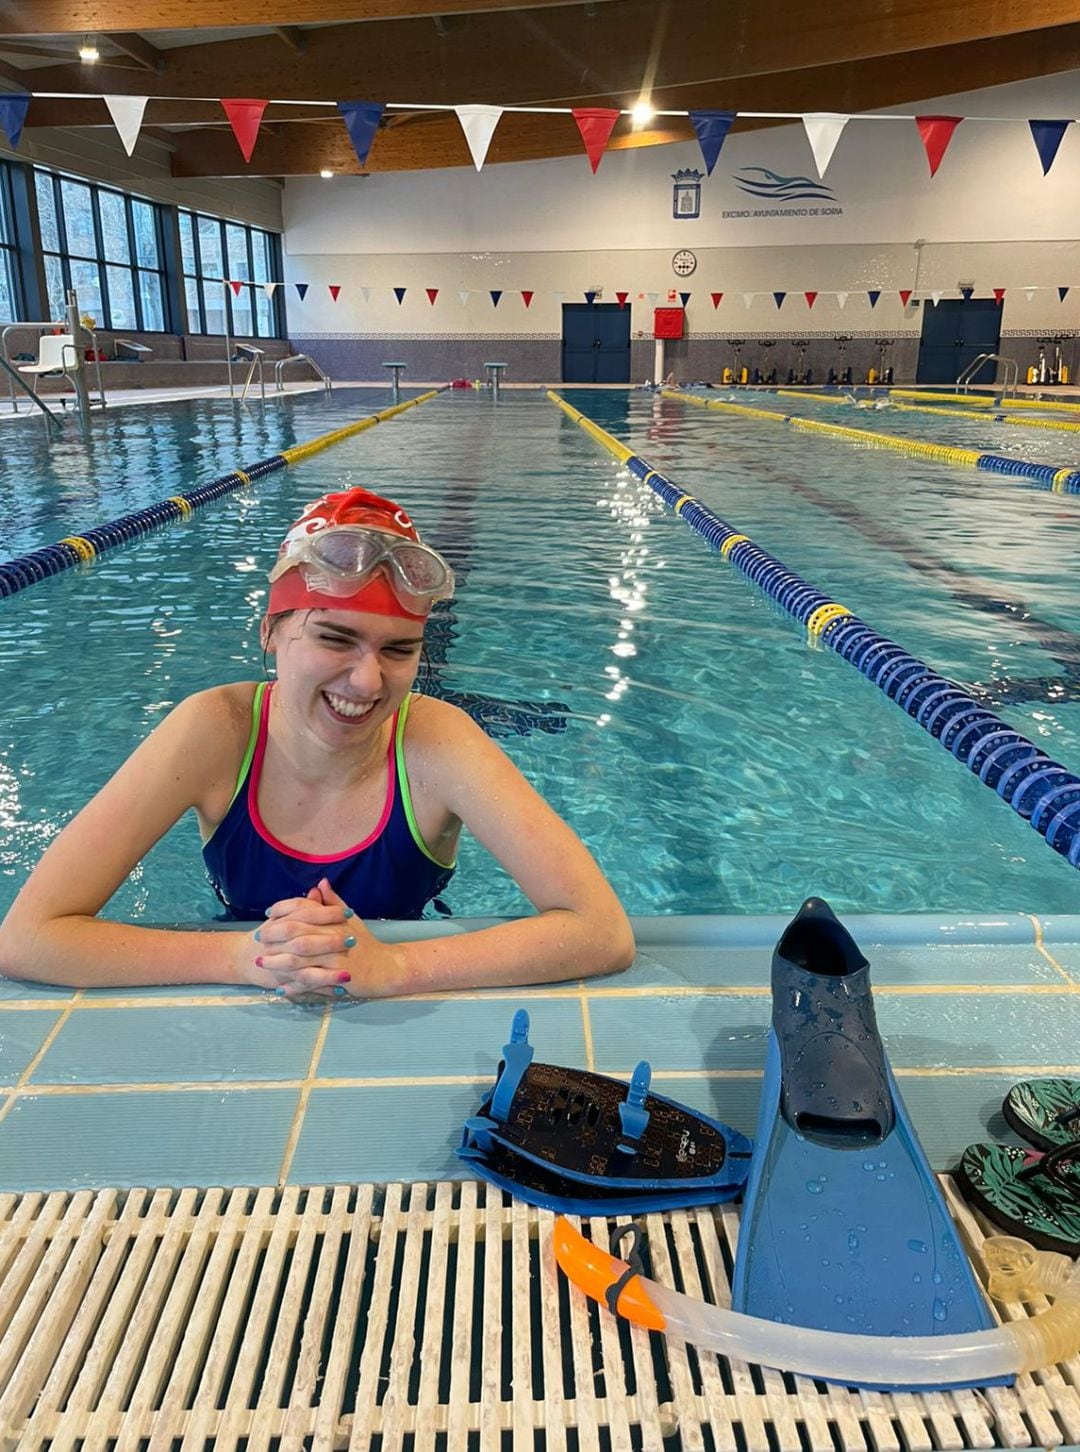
{"points": [[278, 1320]]}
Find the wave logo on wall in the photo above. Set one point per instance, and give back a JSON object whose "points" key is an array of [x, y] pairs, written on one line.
{"points": [[759, 181]]}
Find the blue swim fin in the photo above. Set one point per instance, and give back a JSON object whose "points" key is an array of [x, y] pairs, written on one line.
{"points": [[844, 1226]]}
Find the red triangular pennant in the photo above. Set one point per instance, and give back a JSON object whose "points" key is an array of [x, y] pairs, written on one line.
{"points": [[936, 133], [716, 296], [811, 298], [527, 297], [905, 296], [620, 298], [595, 124], [244, 118], [999, 295], [335, 288], [236, 286], [432, 294]]}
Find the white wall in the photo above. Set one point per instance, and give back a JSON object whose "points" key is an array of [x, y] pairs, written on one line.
{"points": [[989, 217]]}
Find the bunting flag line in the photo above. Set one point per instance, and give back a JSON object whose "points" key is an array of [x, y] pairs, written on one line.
{"points": [[1029, 293], [13, 109], [270, 288], [558, 296], [936, 133], [463, 295], [244, 118], [654, 298], [905, 296], [590, 298], [236, 286], [779, 299], [127, 117], [399, 293], [823, 131], [748, 298], [712, 128], [966, 293], [873, 296], [717, 297], [301, 288], [478, 124], [361, 122], [595, 123], [999, 295], [1062, 293], [841, 299], [495, 293], [620, 298], [432, 294], [526, 296], [1047, 138], [335, 290], [365, 293], [684, 298], [935, 296], [811, 298]]}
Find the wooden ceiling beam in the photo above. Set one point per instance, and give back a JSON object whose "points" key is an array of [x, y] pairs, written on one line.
{"points": [[434, 139], [146, 55], [71, 17], [554, 54]]}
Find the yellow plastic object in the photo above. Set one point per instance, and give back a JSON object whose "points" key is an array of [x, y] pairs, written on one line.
{"points": [[823, 615], [621, 452], [1019, 1272], [727, 376], [730, 543], [186, 510], [82, 547], [593, 1271], [744, 375], [683, 499]]}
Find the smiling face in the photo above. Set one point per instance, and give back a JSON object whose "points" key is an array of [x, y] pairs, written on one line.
{"points": [[342, 673]]}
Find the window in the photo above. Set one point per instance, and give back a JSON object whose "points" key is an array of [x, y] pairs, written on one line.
{"points": [[10, 299], [107, 246], [215, 256]]}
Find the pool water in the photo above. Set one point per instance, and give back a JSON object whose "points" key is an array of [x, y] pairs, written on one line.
{"points": [[712, 761]]}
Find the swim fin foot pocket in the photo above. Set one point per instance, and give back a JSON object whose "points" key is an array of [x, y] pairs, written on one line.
{"points": [[582, 1143]]}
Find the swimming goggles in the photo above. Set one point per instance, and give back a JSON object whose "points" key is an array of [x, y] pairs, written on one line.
{"points": [[338, 560]]}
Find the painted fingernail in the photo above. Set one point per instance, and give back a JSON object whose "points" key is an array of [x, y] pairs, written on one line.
{"points": [[280, 991], [350, 942], [349, 913], [258, 962], [267, 913], [258, 935], [339, 992], [344, 978]]}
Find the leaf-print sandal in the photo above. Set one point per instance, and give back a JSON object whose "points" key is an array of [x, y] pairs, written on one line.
{"points": [[1045, 1112], [1026, 1193]]}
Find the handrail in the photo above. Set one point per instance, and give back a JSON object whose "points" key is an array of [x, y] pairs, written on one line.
{"points": [[1006, 362], [50, 418], [279, 384], [256, 355]]}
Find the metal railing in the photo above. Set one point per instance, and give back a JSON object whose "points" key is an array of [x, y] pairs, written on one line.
{"points": [[1005, 362], [15, 381], [279, 383], [256, 355]]}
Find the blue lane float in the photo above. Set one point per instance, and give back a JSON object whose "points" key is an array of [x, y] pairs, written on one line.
{"points": [[1040, 790]]}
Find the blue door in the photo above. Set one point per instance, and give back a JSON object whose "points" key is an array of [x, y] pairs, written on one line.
{"points": [[595, 343], [954, 333]]}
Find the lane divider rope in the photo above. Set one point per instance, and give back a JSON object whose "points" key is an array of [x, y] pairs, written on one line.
{"points": [[74, 549], [1059, 425], [1040, 790], [1053, 405], [1062, 481]]}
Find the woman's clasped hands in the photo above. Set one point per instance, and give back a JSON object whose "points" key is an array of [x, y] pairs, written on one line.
{"points": [[315, 946]]}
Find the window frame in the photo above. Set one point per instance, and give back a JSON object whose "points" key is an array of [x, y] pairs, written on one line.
{"points": [[199, 277], [11, 248]]}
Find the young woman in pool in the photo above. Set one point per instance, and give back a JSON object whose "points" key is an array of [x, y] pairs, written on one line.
{"points": [[288, 778]]}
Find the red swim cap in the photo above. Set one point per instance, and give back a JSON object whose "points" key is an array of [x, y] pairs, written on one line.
{"points": [[351, 506]]}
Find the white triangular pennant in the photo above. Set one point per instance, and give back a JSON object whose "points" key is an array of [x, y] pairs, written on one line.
{"points": [[478, 124], [841, 299], [558, 296], [268, 288], [365, 293], [823, 131], [654, 298], [935, 297], [1029, 293], [127, 115], [748, 298]]}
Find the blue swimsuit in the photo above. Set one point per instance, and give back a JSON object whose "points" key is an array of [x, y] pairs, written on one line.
{"points": [[391, 874]]}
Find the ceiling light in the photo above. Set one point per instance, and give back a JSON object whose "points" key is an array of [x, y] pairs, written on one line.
{"points": [[326, 173], [88, 52], [642, 113]]}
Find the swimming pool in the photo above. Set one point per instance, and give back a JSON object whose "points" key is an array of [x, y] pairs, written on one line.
{"points": [[712, 761]]}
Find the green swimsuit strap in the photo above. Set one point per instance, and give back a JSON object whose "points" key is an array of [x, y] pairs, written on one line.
{"points": [[406, 795]]}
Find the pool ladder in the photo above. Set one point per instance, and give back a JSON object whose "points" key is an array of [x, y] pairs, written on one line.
{"points": [[973, 367], [279, 383]]}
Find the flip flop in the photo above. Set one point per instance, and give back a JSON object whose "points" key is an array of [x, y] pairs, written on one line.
{"points": [[1045, 1112], [1033, 1195]]}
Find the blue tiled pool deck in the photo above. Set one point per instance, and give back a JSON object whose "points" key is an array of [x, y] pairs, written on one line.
{"points": [[202, 1087]]}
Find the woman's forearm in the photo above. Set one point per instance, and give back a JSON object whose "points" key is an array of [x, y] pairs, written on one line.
{"points": [[86, 952], [549, 948]]}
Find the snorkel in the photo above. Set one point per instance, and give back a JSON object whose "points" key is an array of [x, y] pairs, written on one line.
{"points": [[1018, 1272]]}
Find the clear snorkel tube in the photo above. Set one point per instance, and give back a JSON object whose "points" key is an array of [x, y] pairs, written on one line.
{"points": [[1017, 1273]]}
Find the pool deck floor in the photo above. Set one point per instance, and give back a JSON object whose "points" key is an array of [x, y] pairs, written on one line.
{"points": [[197, 1086]]}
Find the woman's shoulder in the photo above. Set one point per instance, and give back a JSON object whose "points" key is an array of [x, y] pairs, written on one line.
{"points": [[215, 722]]}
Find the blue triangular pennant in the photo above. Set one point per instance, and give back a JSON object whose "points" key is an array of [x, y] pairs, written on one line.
{"points": [[966, 293], [301, 288], [590, 298], [684, 298], [361, 122], [399, 293], [778, 298], [1047, 137], [495, 294], [1061, 293], [712, 128], [873, 296], [13, 109]]}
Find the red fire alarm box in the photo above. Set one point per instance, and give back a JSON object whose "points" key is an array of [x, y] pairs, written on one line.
{"points": [[668, 322]]}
